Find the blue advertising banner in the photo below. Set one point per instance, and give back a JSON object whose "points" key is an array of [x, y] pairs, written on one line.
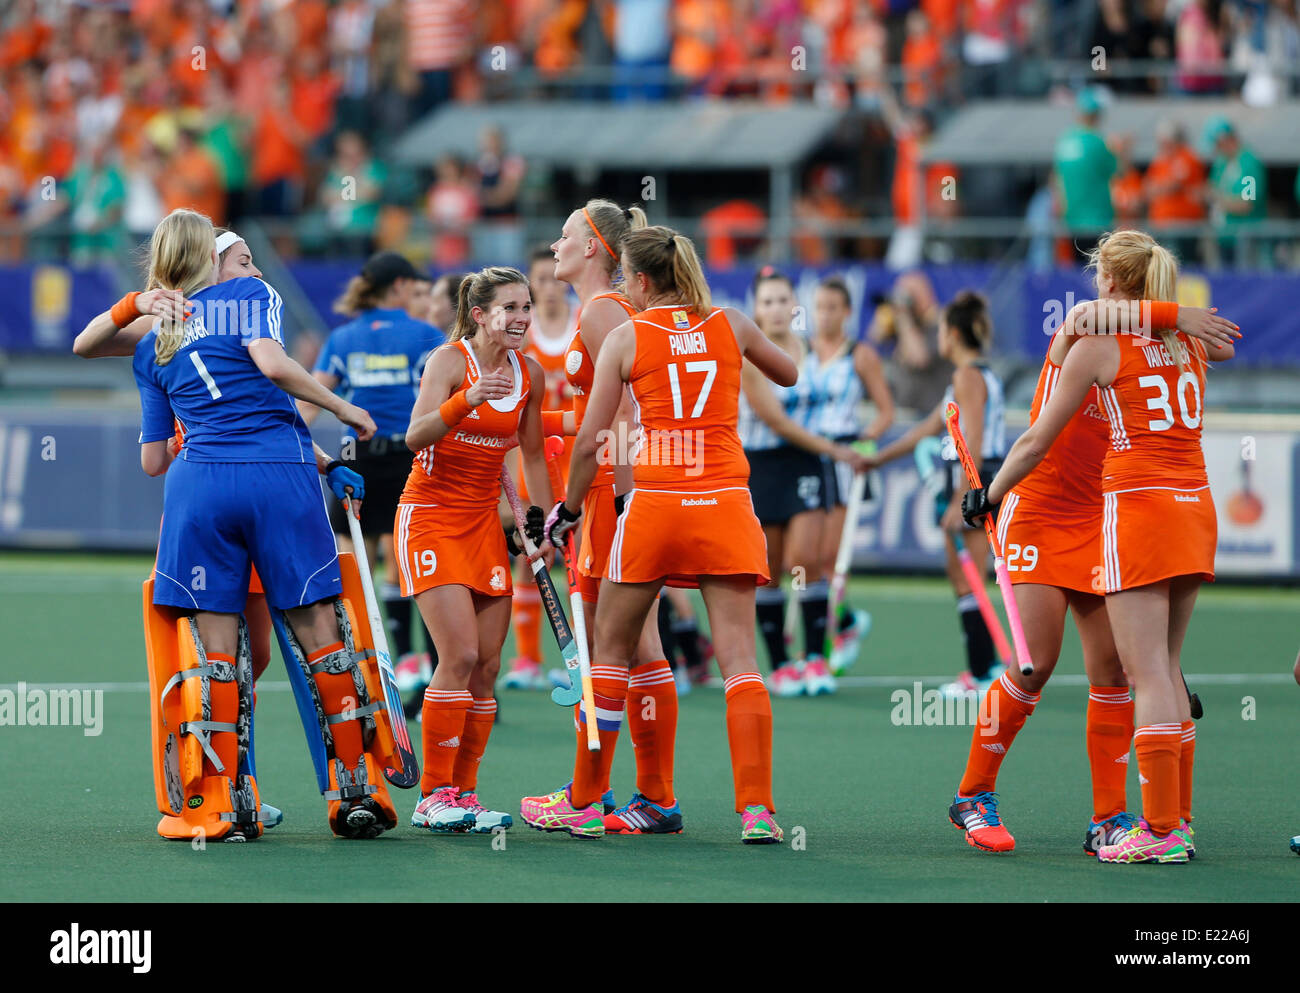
{"points": [[45, 306]]}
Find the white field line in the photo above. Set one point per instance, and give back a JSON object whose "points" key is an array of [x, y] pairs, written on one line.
{"points": [[1063, 679]]}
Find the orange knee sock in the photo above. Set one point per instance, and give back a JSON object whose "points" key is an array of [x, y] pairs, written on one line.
{"points": [[473, 740], [1003, 713], [652, 723], [1185, 757], [442, 724], [1109, 737], [526, 614], [1158, 749], [338, 693], [749, 731], [591, 769]]}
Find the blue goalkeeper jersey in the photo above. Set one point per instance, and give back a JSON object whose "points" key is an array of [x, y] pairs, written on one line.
{"points": [[229, 411], [378, 359]]}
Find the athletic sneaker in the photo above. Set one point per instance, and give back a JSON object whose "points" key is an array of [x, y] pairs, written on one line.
{"points": [[485, 821], [759, 827], [269, 816], [817, 678], [556, 812], [525, 674], [787, 681], [1184, 831], [607, 801], [641, 816], [977, 816], [1295, 844], [560, 678], [844, 652], [1142, 845], [441, 811], [682, 681], [961, 687], [1110, 831]]}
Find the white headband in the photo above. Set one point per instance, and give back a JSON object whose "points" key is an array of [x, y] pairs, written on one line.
{"points": [[225, 240]]}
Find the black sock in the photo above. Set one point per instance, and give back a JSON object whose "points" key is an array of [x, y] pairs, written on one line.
{"points": [[398, 610], [813, 602], [979, 643], [844, 616], [666, 632], [770, 607], [687, 635]]}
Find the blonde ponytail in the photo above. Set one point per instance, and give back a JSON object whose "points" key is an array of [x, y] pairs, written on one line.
{"points": [[180, 258], [1142, 268], [672, 265]]}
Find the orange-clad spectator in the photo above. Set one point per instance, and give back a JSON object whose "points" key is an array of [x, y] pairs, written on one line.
{"points": [[732, 229], [820, 203], [922, 61], [945, 17], [833, 19], [314, 89], [452, 207], [25, 36], [192, 179], [440, 38], [698, 29], [311, 24], [935, 183], [1174, 179], [277, 146], [1126, 184], [557, 27]]}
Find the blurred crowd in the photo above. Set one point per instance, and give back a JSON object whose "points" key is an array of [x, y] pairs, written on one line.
{"points": [[112, 112]]}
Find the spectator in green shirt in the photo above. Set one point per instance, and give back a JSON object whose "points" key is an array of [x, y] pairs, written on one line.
{"points": [[1236, 191], [92, 198], [1084, 167]]}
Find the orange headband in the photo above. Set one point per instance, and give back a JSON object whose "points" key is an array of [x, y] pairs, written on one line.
{"points": [[598, 234]]}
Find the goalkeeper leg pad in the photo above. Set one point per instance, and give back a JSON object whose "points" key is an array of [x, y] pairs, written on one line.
{"points": [[341, 701], [201, 713]]}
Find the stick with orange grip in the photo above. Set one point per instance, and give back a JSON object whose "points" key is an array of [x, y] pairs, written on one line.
{"points": [[999, 563]]}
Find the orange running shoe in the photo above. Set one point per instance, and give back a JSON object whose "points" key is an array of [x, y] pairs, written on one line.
{"points": [[978, 816]]}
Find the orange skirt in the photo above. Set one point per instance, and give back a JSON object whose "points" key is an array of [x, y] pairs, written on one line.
{"points": [[1158, 533], [1050, 547], [599, 522], [676, 536], [441, 546]]}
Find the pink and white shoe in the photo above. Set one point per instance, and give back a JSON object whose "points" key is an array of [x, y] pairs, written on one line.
{"points": [[525, 674], [407, 673], [787, 681], [485, 821], [1141, 844], [817, 677], [556, 812], [441, 811]]}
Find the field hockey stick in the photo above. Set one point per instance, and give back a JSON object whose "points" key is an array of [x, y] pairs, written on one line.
{"points": [[975, 577], [844, 554], [409, 774], [566, 696], [554, 613], [999, 563]]}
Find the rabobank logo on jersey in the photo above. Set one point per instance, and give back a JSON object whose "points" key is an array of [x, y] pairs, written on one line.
{"points": [[482, 440]]}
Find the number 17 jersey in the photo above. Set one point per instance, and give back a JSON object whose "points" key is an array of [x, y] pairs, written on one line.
{"points": [[685, 384]]}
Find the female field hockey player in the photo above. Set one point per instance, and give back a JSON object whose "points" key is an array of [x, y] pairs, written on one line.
{"points": [[240, 492], [965, 334], [1158, 528], [785, 475], [548, 339], [586, 257], [375, 359], [476, 395], [840, 372], [101, 338], [1049, 526], [688, 522]]}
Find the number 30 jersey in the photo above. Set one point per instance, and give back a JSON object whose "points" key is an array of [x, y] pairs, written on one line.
{"points": [[685, 385], [1155, 413]]}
